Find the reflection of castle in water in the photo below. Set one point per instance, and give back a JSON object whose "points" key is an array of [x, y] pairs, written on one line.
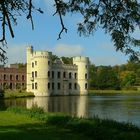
{"points": [[73, 105]]}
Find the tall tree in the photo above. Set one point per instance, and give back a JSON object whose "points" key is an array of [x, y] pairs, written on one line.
{"points": [[118, 18]]}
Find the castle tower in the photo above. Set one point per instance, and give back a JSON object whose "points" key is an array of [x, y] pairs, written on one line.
{"points": [[41, 70], [83, 73], [38, 72], [29, 54]]}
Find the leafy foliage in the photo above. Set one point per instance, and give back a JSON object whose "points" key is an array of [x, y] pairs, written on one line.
{"points": [[119, 18]]}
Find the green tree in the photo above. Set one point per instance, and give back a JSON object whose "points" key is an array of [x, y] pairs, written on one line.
{"points": [[107, 78], [118, 18], [67, 60]]}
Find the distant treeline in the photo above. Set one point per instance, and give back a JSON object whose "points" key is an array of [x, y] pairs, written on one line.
{"points": [[126, 76]]}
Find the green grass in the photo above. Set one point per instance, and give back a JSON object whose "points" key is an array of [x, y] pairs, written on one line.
{"points": [[34, 124], [92, 92], [17, 94]]}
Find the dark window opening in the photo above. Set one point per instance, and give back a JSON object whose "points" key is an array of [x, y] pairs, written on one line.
{"points": [[52, 74], [70, 86], [58, 85], [58, 74], [70, 75]]}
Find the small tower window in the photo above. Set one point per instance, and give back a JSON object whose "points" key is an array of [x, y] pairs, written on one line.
{"points": [[22, 77], [32, 85], [35, 85], [35, 73], [35, 62], [32, 74], [86, 76], [32, 64], [48, 73], [86, 86]]}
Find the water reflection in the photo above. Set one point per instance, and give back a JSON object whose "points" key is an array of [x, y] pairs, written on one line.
{"points": [[73, 105], [123, 108]]}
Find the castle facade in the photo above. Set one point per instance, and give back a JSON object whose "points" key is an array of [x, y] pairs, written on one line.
{"points": [[46, 77]]}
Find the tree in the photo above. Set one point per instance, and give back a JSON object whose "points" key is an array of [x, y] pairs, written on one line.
{"points": [[118, 18]]}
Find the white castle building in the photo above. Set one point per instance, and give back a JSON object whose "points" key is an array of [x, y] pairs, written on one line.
{"points": [[48, 78]]}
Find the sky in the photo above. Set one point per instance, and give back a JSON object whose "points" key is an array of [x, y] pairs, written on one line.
{"points": [[99, 47]]}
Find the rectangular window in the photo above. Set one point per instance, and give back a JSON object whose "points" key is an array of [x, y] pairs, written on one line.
{"points": [[48, 74], [58, 74], [32, 85], [75, 75], [70, 86], [35, 85], [32, 74], [35, 62], [17, 77], [52, 74], [64, 74], [32, 65], [70, 75], [4, 77], [58, 86], [75, 86], [52, 85], [48, 85], [35, 73]]}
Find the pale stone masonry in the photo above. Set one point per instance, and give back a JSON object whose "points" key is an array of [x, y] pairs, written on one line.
{"points": [[47, 78]]}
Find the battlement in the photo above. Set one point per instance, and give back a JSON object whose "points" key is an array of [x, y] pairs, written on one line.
{"points": [[81, 59]]}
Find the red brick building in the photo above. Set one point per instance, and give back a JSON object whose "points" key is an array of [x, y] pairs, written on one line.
{"points": [[12, 77]]}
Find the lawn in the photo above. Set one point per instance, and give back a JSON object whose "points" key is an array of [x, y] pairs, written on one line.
{"points": [[35, 124]]}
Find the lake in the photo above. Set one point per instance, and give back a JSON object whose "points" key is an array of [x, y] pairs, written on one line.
{"points": [[122, 108]]}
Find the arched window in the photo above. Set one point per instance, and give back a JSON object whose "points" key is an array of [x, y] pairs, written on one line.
{"points": [[58, 74], [32, 64], [86, 76], [52, 85], [86, 86], [58, 86], [35, 73], [70, 86], [75, 75], [17, 77], [75, 86], [32, 85], [35, 85]]}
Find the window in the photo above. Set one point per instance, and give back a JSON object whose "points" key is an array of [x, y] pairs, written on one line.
{"points": [[70, 75], [52, 85], [58, 74], [32, 65], [48, 62], [64, 74], [48, 85], [17, 78], [48, 73], [32, 85], [35, 73], [86, 76], [86, 86], [86, 66], [32, 74], [11, 77], [75, 86], [58, 85], [35, 85], [75, 75], [35, 62], [70, 86], [4, 77], [52, 74], [22, 77]]}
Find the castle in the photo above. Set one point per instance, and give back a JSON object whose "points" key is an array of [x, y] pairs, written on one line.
{"points": [[46, 77]]}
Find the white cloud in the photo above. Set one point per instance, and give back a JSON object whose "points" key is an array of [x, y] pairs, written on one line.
{"points": [[67, 50], [16, 53]]}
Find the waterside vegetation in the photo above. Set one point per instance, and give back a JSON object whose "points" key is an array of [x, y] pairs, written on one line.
{"points": [[19, 123], [6, 94]]}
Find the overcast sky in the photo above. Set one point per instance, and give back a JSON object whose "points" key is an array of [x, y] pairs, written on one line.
{"points": [[99, 48]]}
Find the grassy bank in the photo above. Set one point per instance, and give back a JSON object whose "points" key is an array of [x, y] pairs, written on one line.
{"points": [[94, 92], [34, 124], [16, 94]]}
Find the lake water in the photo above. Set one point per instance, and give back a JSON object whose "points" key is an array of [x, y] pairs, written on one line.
{"points": [[123, 108]]}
